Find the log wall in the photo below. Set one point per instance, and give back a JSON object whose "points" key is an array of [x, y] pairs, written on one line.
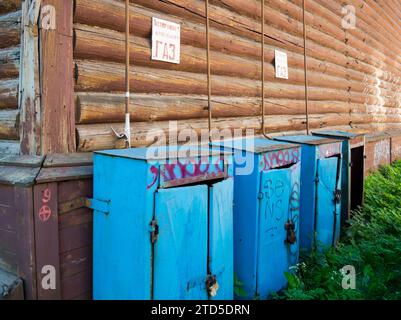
{"points": [[10, 37], [353, 74]]}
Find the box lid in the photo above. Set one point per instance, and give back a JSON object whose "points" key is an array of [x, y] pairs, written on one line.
{"points": [[162, 152], [308, 140], [253, 144], [338, 134]]}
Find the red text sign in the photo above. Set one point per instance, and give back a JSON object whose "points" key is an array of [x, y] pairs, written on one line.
{"points": [[166, 40]]}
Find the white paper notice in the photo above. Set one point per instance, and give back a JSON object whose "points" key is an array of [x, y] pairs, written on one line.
{"points": [[166, 40], [281, 64]]}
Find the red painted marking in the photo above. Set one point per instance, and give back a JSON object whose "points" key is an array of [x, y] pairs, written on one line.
{"points": [[45, 213], [46, 195]]}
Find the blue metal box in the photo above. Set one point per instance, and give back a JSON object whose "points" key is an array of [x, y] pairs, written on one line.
{"points": [[162, 224], [320, 191], [352, 169], [266, 210]]}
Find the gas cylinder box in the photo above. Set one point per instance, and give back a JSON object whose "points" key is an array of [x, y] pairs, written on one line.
{"points": [[266, 213], [320, 206], [352, 170], [162, 224]]}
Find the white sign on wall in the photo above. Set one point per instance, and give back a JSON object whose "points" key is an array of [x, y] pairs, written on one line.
{"points": [[281, 62], [166, 40]]}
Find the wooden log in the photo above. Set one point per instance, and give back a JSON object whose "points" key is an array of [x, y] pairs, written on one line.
{"points": [[367, 25], [9, 6], [288, 30], [9, 124], [102, 44], [103, 108], [100, 136], [108, 14], [8, 94], [10, 32], [109, 77], [9, 63]]}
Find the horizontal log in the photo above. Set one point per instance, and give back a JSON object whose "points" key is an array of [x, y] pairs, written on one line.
{"points": [[108, 14], [100, 136], [9, 6], [8, 94], [9, 124], [279, 27], [106, 45], [9, 63], [103, 108], [110, 77], [10, 29]]}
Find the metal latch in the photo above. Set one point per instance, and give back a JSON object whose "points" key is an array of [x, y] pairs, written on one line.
{"points": [[290, 228], [337, 196], [98, 205], [212, 285], [154, 231]]}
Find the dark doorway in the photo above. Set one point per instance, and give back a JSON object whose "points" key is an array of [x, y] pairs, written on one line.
{"points": [[357, 175]]}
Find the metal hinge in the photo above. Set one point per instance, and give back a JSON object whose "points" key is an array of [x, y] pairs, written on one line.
{"points": [[98, 205], [260, 195], [154, 231], [317, 180]]}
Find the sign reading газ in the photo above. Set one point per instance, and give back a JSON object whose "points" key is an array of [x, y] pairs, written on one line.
{"points": [[165, 41]]}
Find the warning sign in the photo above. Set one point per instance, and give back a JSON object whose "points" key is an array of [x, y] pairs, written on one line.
{"points": [[281, 62], [166, 40]]}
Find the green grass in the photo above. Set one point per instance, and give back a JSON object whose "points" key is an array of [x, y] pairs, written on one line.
{"points": [[372, 244]]}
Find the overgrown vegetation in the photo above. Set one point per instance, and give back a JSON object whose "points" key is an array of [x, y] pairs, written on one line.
{"points": [[372, 245]]}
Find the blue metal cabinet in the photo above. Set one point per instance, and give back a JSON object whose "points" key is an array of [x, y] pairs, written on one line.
{"points": [[162, 225], [352, 169], [320, 205], [266, 209]]}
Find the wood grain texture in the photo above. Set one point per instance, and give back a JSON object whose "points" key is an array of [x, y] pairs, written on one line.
{"points": [[58, 134]]}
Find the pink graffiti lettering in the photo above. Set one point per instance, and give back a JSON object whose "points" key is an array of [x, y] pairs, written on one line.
{"points": [[155, 172], [190, 169], [280, 158]]}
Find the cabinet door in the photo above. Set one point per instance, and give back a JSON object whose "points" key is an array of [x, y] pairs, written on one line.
{"points": [[180, 252], [221, 239], [294, 207], [338, 204], [273, 214], [326, 208]]}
